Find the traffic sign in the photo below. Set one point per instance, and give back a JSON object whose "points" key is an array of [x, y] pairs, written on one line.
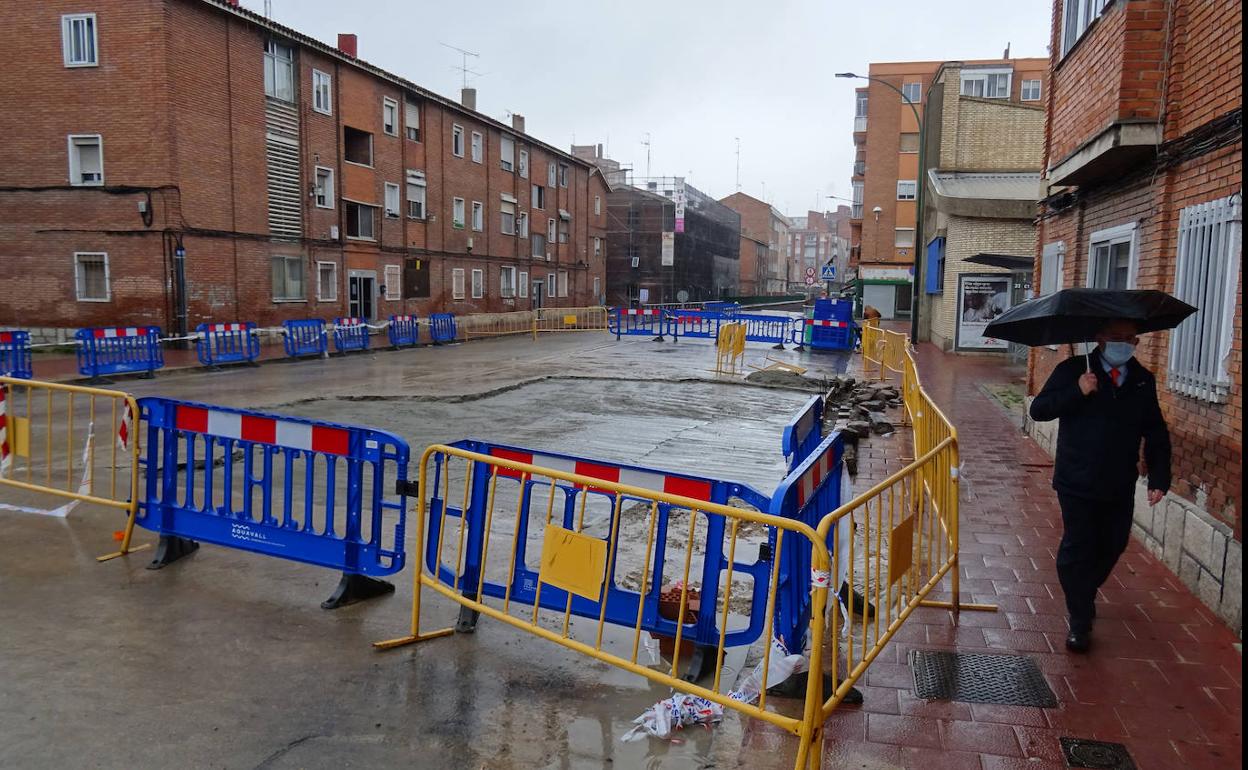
{"points": [[810, 280], [810, 271], [828, 273]]}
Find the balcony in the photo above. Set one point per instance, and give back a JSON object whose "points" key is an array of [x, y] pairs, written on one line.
{"points": [[860, 124], [855, 211], [860, 168]]}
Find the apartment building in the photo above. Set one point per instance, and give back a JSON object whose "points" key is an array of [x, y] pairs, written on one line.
{"points": [[886, 164], [178, 161], [760, 221], [1144, 176], [817, 239]]}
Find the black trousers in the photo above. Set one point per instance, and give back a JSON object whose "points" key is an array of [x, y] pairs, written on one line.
{"points": [[1094, 535]]}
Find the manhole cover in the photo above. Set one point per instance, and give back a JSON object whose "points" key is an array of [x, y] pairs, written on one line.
{"points": [[1009, 680], [1098, 754]]}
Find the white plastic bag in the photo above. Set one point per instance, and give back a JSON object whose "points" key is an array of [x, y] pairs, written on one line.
{"points": [[780, 667], [675, 713]]}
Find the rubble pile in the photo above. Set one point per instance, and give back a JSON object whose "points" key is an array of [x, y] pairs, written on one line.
{"points": [[858, 409]]}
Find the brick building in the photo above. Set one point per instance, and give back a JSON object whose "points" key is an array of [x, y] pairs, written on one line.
{"points": [[886, 164], [760, 221], [176, 161], [1144, 164], [817, 239]]}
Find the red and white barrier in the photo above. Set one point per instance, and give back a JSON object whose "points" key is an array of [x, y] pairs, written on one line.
{"points": [[263, 430], [659, 482]]}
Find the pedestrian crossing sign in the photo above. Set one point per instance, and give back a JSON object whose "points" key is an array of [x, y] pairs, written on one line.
{"points": [[828, 273]]}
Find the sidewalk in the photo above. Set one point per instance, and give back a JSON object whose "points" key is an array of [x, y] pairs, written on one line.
{"points": [[1164, 676]]}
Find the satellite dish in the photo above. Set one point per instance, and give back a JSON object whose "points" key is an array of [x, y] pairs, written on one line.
{"points": [[682, 296]]}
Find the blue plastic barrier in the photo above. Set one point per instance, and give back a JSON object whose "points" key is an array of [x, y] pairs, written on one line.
{"points": [[727, 308], [644, 322], [305, 337], [226, 343], [621, 603], [694, 323], [804, 432], [442, 328], [825, 334], [119, 350], [299, 489], [760, 327], [350, 334], [403, 330], [15, 354]]}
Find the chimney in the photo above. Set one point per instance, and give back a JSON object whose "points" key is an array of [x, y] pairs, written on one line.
{"points": [[598, 152], [348, 44], [468, 98], [517, 122]]}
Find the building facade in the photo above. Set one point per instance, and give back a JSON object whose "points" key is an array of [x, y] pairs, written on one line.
{"points": [[203, 163], [760, 221], [886, 164], [1144, 175], [818, 239]]}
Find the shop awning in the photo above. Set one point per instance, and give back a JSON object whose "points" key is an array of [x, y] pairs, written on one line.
{"points": [[1006, 261], [564, 215]]}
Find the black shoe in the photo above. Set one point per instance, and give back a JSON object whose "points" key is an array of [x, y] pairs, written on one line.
{"points": [[853, 697], [1079, 641], [860, 607]]}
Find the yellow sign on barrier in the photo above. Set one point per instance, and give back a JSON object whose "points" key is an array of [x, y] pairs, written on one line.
{"points": [[573, 561], [730, 348]]}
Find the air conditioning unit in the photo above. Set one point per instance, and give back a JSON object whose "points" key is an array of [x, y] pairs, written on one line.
{"points": [[333, 232], [636, 261]]}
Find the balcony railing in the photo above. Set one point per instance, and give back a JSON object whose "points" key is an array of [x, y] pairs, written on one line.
{"points": [[860, 124], [860, 167], [856, 211]]}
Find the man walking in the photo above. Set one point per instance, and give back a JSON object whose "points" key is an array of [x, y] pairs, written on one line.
{"points": [[1106, 403]]}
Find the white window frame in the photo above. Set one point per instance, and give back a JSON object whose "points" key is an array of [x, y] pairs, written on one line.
{"points": [[522, 225], [75, 165], [271, 63], [973, 75], [552, 175], [459, 213], [393, 200], [917, 88], [503, 290], [507, 153], [392, 275], [416, 179], [325, 192], [322, 92], [502, 217], [1124, 233], [552, 233], [522, 285], [897, 231], [551, 286], [563, 175], [321, 295], [597, 205], [563, 283], [1077, 18], [78, 287], [597, 246], [347, 216], [1026, 85], [538, 197], [389, 107], [597, 287], [907, 189], [1052, 267], [478, 283], [478, 216], [411, 127], [478, 147], [457, 283], [524, 164], [67, 37], [457, 140], [303, 278]]}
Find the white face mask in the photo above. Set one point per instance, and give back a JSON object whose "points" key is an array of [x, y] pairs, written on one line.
{"points": [[1117, 353]]}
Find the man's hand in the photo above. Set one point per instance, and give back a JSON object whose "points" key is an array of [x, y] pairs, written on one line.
{"points": [[1087, 383], [1141, 467], [1154, 496]]}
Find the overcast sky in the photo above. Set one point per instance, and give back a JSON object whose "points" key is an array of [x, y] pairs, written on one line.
{"points": [[693, 74]]}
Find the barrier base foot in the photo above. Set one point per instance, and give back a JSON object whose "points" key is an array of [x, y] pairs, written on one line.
{"points": [[658, 339], [356, 588], [148, 375], [779, 346], [467, 622], [170, 549], [701, 664], [118, 554], [390, 644]]}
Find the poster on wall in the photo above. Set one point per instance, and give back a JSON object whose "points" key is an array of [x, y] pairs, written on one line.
{"points": [[668, 254], [981, 298]]}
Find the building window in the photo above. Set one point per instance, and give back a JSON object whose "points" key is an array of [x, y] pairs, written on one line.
{"points": [[860, 111], [597, 246], [86, 159], [1111, 263], [392, 200], [357, 146], [478, 284], [905, 189], [457, 141], [563, 230], [507, 217], [390, 116], [322, 92], [903, 237], [79, 40], [563, 283], [411, 119], [912, 92], [523, 284], [597, 205], [550, 231], [856, 208], [457, 213], [524, 164], [324, 192], [522, 225], [279, 82], [539, 245], [597, 288], [550, 285], [478, 216], [1077, 16], [478, 147], [1207, 276], [539, 196], [457, 283], [906, 143], [393, 277], [287, 278], [507, 153], [416, 190], [91, 277], [1052, 263], [552, 179], [988, 84], [507, 282], [360, 220], [1030, 91], [327, 281], [563, 175]]}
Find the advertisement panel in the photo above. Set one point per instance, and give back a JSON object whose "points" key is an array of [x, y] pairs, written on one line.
{"points": [[981, 298], [668, 254]]}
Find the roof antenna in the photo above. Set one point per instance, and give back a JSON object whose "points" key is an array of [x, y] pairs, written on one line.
{"points": [[268, 9], [463, 68], [1007, 51]]}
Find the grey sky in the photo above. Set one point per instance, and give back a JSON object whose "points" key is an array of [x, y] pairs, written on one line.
{"points": [[694, 75]]}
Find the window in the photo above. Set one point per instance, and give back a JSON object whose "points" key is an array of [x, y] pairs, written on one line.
{"points": [[912, 92], [507, 217], [86, 159], [457, 213], [860, 111], [322, 92], [1052, 263], [1031, 91], [507, 153], [394, 282], [563, 175], [392, 200], [597, 288], [904, 237], [597, 205], [550, 284], [91, 277], [457, 141], [1077, 16], [478, 216], [563, 231], [457, 283], [279, 82], [324, 191], [522, 225], [550, 231], [390, 116], [78, 39], [539, 196], [597, 246], [327, 281], [360, 220], [416, 278], [411, 119], [1207, 275], [287, 278], [551, 175], [990, 84], [523, 284], [907, 143], [416, 190], [524, 164], [905, 189], [478, 284], [478, 147], [357, 146], [539, 245], [563, 283], [1111, 264], [507, 282], [856, 209]]}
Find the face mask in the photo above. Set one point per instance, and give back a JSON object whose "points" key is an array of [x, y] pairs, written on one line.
{"points": [[1117, 353]]}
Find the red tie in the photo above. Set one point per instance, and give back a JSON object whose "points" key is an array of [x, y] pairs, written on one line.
{"points": [[1113, 376]]}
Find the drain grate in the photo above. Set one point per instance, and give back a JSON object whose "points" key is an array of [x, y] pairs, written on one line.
{"points": [[1008, 680], [1096, 754]]}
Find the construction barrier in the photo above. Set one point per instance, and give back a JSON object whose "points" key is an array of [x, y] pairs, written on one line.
{"points": [[496, 324], [804, 432], [873, 348], [442, 328], [825, 334], [350, 334], [15, 354], [305, 337], [226, 343], [645, 322], [693, 323], [71, 442], [314, 492], [571, 533], [759, 327], [727, 308], [119, 350], [730, 348], [570, 319], [403, 331]]}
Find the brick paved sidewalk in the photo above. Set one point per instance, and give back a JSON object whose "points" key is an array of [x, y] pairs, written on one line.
{"points": [[1164, 676]]}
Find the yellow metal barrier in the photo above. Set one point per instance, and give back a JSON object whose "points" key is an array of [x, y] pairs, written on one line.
{"points": [[570, 319], [74, 442], [606, 541], [873, 344], [730, 348], [495, 324], [554, 319]]}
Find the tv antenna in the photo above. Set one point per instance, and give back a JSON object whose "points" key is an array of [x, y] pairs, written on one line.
{"points": [[646, 142], [268, 9], [464, 68], [738, 163]]}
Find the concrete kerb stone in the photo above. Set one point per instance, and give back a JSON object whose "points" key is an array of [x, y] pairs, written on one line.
{"points": [[1231, 608]]}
